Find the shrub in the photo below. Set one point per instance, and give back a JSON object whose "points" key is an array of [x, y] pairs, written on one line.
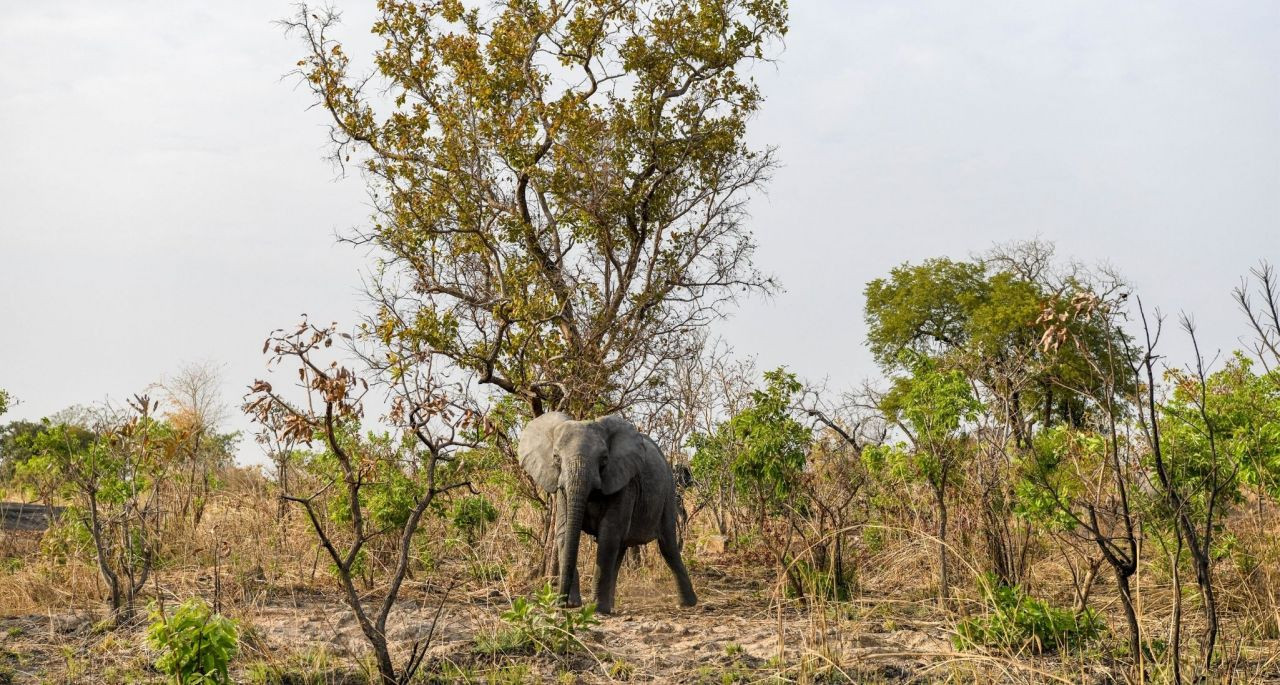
{"points": [[1017, 622], [195, 644], [472, 515], [537, 623], [818, 582]]}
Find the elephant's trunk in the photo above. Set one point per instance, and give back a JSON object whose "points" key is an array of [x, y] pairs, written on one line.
{"points": [[575, 491]]}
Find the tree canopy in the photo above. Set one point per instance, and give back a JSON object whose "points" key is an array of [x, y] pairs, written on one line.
{"points": [[559, 187], [986, 317]]}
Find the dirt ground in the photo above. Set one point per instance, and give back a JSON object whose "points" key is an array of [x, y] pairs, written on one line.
{"points": [[737, 634]]}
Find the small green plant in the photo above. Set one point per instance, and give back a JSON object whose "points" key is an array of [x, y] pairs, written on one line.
{"points": [[74, 667], [709, 674], [311, 667], [195, 644], [622, 670], [486, 571], [537, 623], [1018, 622], [450, 673]]}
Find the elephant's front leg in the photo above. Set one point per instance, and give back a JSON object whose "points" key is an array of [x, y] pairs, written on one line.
{"points": [[614, 526], [608, 554]]}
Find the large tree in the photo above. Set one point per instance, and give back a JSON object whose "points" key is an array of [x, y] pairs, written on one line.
{"points": [[982, 316], [559, 185]]}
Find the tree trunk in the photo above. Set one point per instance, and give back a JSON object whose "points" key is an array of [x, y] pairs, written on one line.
{"points": [[1048, 403], [1175, 629], [1204, 579], [1085, 585], [118, 610], [386, 669], [282, 478], [1130, 615], [944, 578], [1019, 426], [837, 565]]}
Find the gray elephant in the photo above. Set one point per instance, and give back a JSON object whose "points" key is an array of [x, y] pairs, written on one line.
{"points": [[611, 482]]}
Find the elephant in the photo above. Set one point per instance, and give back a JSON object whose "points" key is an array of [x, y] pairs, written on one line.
{"points": [[612, 482]]}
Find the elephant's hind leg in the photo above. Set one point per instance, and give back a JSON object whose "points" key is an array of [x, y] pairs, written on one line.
{"points": [[669, 545]]}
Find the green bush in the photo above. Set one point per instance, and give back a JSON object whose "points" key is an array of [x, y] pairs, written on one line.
{"points": [[1018, 622], [195, 644], [818, 582], [472, 515], [537, 623]]}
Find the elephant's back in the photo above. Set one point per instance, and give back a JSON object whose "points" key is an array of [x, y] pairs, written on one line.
{"points": [[654, 493], [657, 471]]}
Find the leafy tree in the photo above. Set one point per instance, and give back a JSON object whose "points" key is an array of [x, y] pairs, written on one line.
{"points": [[559, 188], [1244, 407], [378, 489], [931, 407], [389, 492], [16, 439], [714, 387], [1199, 439], [774, 444], [923, 308], [760, 453], [985, 318], [1082, 479], [835, 480], [111, 476], [41, 450], [1079, 483], [763, 446]]}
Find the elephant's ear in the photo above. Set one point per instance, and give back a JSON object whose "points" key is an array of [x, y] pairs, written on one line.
{"points": [[626, 453], [537, 450]]}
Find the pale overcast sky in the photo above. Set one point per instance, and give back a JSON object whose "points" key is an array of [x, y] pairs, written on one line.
{"points": [[164, 197]]}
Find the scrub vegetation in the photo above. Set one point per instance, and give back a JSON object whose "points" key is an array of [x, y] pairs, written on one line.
{"points": [[1032, 489]]}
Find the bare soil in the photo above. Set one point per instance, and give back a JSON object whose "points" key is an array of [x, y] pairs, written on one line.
{"points": [[737, 633]]}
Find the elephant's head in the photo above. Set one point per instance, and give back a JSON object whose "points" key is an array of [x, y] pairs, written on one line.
{"points": [[579, 458]]}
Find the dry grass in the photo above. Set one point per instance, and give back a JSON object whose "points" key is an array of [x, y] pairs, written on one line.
{"points": [[271, 577]]}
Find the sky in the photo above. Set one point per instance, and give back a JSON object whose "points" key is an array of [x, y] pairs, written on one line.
{"points": [[165, 197]]}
